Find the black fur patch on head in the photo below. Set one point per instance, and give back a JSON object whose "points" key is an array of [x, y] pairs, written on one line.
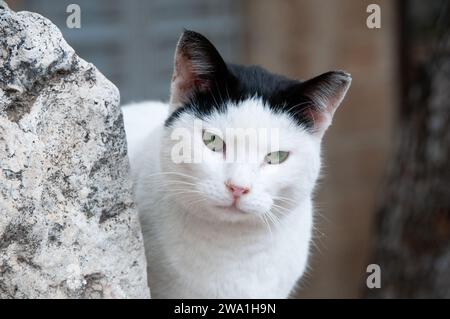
{"points": [[303, 101]]}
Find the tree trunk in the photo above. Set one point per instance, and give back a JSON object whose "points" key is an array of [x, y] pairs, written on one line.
{"points": [[413, 215]]}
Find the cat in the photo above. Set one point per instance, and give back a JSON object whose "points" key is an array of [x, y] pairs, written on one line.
{"points": [[219, 228]]}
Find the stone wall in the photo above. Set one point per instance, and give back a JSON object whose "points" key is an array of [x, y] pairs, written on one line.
{"points": [[68, 224]]}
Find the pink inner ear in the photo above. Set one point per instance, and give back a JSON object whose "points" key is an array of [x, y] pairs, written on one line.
{"points": [[182, 79], [185, 80], [326, 93], [321, 119]]}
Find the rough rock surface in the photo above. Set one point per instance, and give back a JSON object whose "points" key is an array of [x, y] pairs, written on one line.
{"points": [[68, 224]]}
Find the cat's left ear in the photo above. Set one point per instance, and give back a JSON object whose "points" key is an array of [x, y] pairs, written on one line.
{"points": [[324, 93], [198, 66]]}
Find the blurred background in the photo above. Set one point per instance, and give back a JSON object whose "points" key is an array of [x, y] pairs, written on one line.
{"points": [[385, 195]]}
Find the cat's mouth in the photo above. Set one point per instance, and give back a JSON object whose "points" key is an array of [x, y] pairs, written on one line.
{"points": [[232, 209]]}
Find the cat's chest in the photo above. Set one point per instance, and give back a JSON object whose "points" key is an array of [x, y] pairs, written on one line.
{"points": [[233, 268]]}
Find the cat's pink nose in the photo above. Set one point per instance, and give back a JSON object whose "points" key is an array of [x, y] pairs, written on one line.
{"points": [[237, 191]]}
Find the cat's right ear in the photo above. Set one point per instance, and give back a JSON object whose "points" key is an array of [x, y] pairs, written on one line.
{"points": [[197, 68], [323, 95]]}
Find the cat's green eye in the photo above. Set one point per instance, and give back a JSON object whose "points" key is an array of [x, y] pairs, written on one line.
{"points": [[213, 142], [276, 157]]}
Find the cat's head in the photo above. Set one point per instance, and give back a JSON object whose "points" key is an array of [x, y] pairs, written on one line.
{"points": [[215, 165]]}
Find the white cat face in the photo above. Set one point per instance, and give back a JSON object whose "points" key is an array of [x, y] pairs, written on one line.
{"points": [[243, 182], [238, 182]]}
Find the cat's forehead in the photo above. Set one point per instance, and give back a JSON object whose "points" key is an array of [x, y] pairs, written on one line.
{"points": [[250, 94], [253, 112]]}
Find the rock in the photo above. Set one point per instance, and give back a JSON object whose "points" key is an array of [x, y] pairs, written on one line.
{"points": [[68, 223]]}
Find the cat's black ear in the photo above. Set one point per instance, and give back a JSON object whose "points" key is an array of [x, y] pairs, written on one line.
{"points": [[197, 67], [324, 94]]}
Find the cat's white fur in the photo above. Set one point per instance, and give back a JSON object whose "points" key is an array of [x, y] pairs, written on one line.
{"points": [[195, 247]]}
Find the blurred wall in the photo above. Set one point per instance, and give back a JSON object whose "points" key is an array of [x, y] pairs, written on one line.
{"points": [[303, 38], [132, 42]]}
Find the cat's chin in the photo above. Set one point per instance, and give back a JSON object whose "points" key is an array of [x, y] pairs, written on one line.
{"points": [[225, 213], [232, 209]]}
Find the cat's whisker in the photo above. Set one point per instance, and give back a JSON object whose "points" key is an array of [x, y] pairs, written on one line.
{"points": [[264, 218], [173, 191], [180, 192], [202, 198], [272, 218], [161, 174], [288, 204], [322, 216], [316, 246], [285, 199], [172, 182], [277, 218], [279, 206], [281, 210], [269, 217], [189, 204]]}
